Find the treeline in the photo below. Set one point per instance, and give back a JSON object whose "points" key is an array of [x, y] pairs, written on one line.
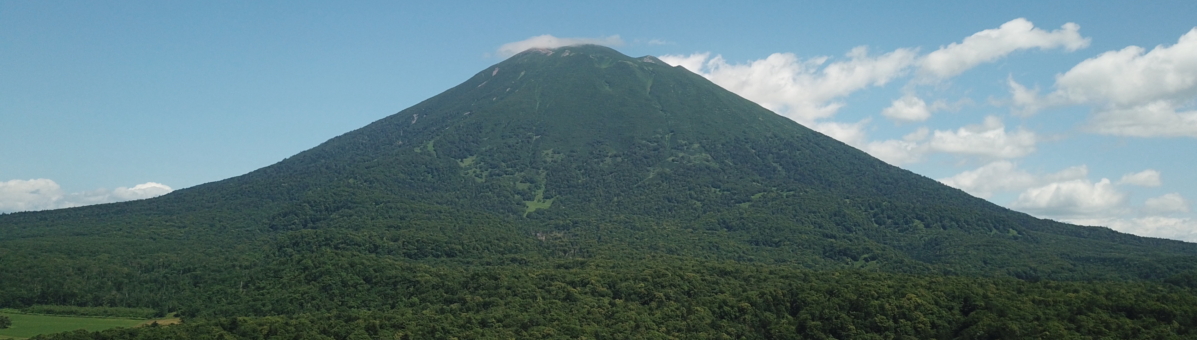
{"points": [[674, 298], [112, 312]]}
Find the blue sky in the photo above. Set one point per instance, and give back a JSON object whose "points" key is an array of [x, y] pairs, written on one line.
{"points": [[1076, 111]]}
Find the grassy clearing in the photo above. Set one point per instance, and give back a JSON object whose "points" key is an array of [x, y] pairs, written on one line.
{"points": [[28, 325], [537, 203]]}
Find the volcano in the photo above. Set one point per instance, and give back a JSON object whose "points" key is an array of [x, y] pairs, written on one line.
{"points": [[575, 164]]}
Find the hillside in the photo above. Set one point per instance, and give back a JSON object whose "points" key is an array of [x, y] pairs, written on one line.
{"points": [[581, 184]]}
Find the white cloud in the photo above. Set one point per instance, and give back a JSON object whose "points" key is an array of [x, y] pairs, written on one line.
{"points": [[1005, 176], [1166, 204], [1070, 197], [809, 90], [1078, 197], [549, 41], [812, 89], [993, 177], [850, 133], [691, 62], [1157, 119], [1129, 77], [898, 152], [895, 152], [1184, 229], [34, 194], [43, 194], [1138, 94], [803, 90], [1133, 92], [909, 108], [989, 139], [140, 191], [992, 44], [1068, 174], [1145, 178], [1026, 102]]}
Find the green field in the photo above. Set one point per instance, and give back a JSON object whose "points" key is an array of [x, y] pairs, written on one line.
{"points": [[28, 325]]}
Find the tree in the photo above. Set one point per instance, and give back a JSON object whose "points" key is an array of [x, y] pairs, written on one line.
{"points": [[5, 322]]}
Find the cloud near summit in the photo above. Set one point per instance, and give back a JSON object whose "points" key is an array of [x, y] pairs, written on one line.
{"points": [[549, 41]]}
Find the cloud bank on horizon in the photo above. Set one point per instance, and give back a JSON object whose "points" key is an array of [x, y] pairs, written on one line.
{"points": [[1130, 92], [44, 194]]}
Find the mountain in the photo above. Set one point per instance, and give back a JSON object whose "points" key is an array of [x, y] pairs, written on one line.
{"points": [[581, 176]]}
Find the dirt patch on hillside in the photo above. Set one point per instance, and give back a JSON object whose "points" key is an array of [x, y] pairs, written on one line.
{"points": [[162, 322]]}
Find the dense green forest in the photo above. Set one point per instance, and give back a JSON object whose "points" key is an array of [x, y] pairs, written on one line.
{"points": [[672, 298], [578, 192]]}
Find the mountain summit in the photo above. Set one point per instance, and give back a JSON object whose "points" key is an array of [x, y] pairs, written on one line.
{"points": [[550, 161]]}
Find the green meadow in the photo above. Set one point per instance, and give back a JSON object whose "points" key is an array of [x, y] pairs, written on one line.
{"points": [[28, 325]]}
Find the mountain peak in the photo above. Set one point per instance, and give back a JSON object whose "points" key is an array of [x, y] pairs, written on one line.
{"points": [[568, 50], [597, 52]]}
